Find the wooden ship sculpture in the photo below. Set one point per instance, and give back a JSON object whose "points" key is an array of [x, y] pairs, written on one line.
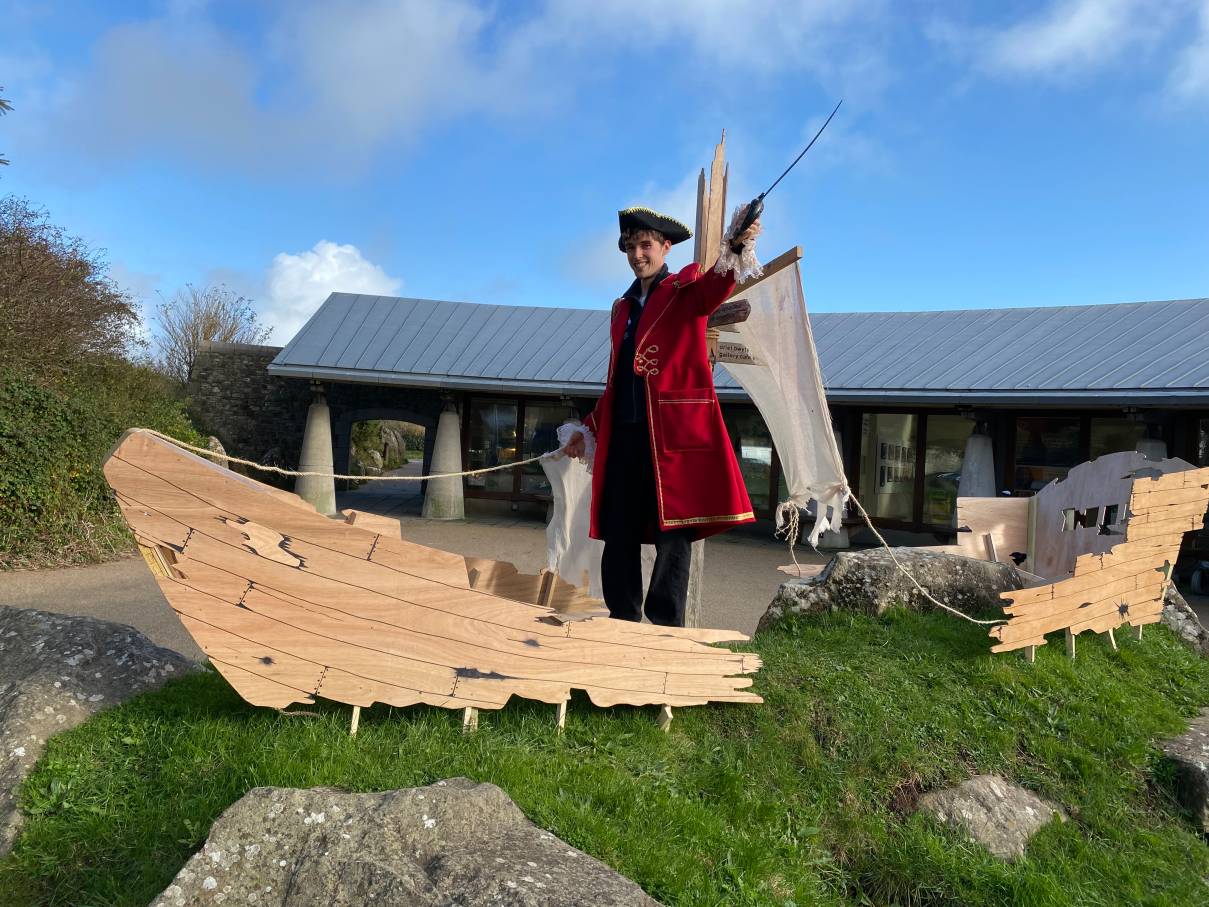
{"points": [[1100, 545], [290, 606]]}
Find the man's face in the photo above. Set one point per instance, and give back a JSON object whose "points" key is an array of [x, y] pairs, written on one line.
{"points": [[645, 253]]}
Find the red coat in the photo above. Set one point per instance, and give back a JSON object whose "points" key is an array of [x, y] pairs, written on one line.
{"points": [[697, 478]]}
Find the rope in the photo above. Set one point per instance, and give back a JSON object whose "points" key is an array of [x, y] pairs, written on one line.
{"points": [[205, 451], [789, 517], [790, 511], [787, 509]]}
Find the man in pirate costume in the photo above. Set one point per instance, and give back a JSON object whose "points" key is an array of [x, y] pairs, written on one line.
{"points": [[663, 470]]}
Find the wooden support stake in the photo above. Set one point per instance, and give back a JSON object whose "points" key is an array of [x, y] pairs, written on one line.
{"points": [[696, 584], [562, 715], [990, 543], [352, 730], [665, 718], [1139, 629], [470, 720], [1030, 654], [545, 595], [1070, 643], [1112, 639]]}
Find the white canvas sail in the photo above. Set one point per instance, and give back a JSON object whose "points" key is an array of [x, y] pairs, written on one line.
{"points": [[773, 358], [570, 552]]}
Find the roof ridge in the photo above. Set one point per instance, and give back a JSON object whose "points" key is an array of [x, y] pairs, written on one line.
{"points": [[814, 312]]}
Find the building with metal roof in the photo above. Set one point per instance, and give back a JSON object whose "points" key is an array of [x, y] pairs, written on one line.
{"points": [[1124, 354], [1052, 387]]}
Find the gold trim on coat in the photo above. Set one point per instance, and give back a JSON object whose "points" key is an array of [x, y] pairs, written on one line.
{"points": [[724, 518]]}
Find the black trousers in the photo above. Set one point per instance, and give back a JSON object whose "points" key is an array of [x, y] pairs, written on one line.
{"points": [[631, 517]]}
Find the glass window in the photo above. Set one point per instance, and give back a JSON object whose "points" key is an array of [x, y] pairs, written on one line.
{"points": [[491, 441], [540, 435], [1114, 435], [752, 444], [947, 436], [888, 465], [1046, 449]]}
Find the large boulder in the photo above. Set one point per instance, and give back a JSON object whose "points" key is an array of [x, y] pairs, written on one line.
{"points": [[453, 842], [869, 582], [394, 445], [999, 815], [1179, 617], [1189, 758], [56, 671]]}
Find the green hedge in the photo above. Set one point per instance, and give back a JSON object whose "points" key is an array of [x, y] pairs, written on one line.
{"points": [[55, 506]]}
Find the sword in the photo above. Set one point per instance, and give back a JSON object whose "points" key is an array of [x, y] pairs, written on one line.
{"points": [[756, 208]]}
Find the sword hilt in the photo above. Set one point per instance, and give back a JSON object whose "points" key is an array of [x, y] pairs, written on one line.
{"points": [[754, 210]]}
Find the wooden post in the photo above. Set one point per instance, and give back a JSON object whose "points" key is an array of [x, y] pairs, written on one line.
{"points": [[665, 718], [1070, 642], [1030, 654], [470, 720], [1112, 639], [545, 594], [1139, 629], [699, 226], [352, 730], [990, 543], [711, 225], [1030, 561], [713, 220], [561, 715], [696, 584]]}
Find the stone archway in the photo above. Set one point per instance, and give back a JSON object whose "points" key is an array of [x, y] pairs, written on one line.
{"points": [[418, 406]]}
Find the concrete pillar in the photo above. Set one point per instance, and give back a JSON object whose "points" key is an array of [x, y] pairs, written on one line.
{"points": [[316, 456], [977, 467], [443, 497]]}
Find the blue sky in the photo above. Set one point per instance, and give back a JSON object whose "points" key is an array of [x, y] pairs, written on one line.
{"points": [[987, 154]]}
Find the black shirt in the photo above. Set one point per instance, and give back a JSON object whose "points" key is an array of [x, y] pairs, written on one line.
{"points": [[629, 390]]}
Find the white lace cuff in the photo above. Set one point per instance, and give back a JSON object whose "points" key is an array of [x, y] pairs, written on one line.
{"points": [[567, 429], [745, 264]]}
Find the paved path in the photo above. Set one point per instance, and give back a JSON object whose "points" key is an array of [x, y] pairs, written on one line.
{"points": [[122, 591]]}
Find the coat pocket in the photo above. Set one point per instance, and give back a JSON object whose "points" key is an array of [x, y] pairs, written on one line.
{"points": [[687, 419]]}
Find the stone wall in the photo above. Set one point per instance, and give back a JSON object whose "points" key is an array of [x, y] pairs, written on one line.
{"points": [[261, 417], [255, 415]]}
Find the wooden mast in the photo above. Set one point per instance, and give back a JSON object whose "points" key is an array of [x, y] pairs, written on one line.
{"points": [[711, 210]]}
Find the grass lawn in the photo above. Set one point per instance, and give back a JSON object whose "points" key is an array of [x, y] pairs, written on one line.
{"points": [[807, 799]]}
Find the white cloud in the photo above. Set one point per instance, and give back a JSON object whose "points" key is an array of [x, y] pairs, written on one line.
{"points": [[329, 84], [1189, 80], [297, 283], [1067, 38], [595, 258], [1072, 35]]}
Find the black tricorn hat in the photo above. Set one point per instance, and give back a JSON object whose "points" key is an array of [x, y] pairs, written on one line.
{"points": [[646, 219]]}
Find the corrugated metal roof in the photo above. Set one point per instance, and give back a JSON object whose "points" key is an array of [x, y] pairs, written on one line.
{"points": [[1118, 353]]}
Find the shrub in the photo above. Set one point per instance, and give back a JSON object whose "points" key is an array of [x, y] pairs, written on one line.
{"points": [[55, 505], [57, 301]]}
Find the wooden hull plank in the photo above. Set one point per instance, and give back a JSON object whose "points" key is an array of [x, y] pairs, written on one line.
{"points": [[290, 605]]}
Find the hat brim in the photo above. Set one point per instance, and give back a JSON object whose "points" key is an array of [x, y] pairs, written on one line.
{"points": [[645, 219]]}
